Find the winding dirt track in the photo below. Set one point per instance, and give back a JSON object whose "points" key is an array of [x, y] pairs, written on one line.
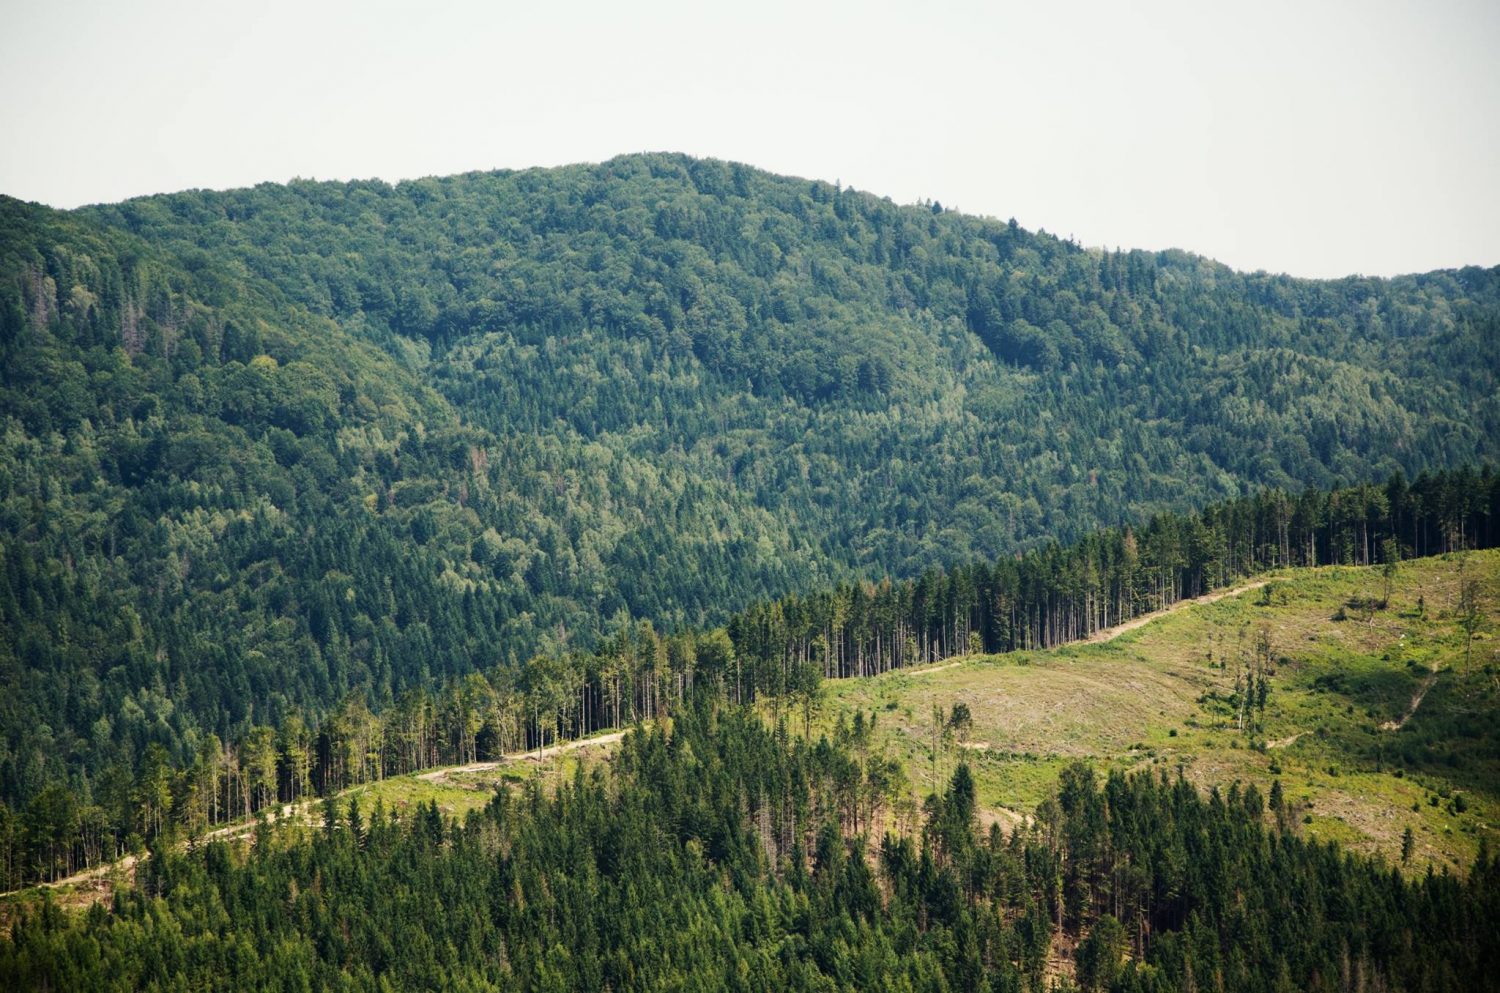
{"points": [[1110, 634], [439, 775], [306, 808], [1416, 701], [931, 669]]}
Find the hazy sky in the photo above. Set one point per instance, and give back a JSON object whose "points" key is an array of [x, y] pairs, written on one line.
{"points": [[1314, 138]]}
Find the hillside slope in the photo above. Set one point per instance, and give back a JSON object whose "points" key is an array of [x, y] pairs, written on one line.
{"points": [[897, 387], [1374, 720], [271, 450]]}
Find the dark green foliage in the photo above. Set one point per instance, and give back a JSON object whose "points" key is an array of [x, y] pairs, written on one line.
{"points": [[283, 467], [1057, 594], [711, 859], [1100, 955]]}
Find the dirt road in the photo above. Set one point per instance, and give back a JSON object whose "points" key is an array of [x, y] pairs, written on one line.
{"points": [[310, 810], [438, 775], [930, 670], [1110, 634], [1416, 701]]}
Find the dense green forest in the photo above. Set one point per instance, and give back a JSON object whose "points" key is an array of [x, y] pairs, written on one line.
{"points": [[307, 485], [297, 480], [721, 854], [155, 785]]}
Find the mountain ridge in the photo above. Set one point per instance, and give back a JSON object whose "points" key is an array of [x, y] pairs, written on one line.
{"points": [[919, 203]]}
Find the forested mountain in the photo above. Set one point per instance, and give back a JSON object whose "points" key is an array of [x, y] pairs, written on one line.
{"points": [[272, 451]]}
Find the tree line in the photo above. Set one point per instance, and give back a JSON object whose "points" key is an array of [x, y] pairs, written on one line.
{"points": [[1062, 593]]}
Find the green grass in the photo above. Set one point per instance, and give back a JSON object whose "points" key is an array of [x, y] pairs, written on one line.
{"points": [[1156, 698], [457, 793], [454, 797]]}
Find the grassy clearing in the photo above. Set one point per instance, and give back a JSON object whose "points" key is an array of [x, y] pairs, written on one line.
{"points": [[455, 797], [1160, 698], [456, 791]]}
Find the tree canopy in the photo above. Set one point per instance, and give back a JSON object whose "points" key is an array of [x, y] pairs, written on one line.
{"points": [[280, 464], [712, 857]]}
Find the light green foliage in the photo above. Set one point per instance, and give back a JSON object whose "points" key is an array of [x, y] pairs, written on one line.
{"points": [[1152, 699]]}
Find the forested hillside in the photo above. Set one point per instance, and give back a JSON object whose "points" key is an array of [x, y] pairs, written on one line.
{"points": [[280, 453], [897, 386], [774, 653], [718, 855]]}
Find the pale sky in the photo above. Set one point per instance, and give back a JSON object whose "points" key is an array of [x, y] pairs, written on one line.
{"points": [[1319, 139]]}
